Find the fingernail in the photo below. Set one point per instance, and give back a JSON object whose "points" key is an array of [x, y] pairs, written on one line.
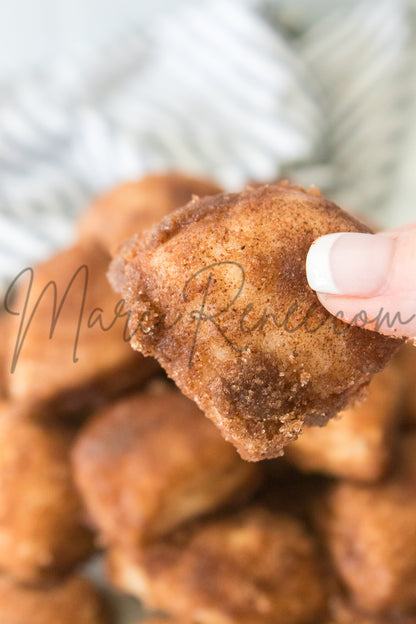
{"points": [[349, 263]]}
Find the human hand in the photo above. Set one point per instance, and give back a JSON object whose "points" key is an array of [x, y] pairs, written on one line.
{"points": [[367, 279]]}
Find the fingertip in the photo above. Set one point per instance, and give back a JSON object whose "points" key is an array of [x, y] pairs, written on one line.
{"points": [[350, 263], [318, 264]]}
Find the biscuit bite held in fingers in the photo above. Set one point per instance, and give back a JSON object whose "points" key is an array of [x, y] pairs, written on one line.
{"points": [[249, 567], [150, 462], [42, 530], [370, 534], [218, 294], [360, 442], [73, 601], [134, 206], [66, 333]]}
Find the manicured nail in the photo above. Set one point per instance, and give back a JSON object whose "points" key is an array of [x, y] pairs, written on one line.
{"points": [[349, 263]]}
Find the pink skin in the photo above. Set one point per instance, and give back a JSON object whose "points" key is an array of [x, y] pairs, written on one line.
{"points": [[375, 274]]}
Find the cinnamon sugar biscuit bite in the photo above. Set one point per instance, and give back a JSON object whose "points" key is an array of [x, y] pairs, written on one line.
{"points": [[152, 461], [249, 567], [359, 443], [66, 347], [134, 206], [218, 294], [370, 534], [74, 601], [42, 530]]}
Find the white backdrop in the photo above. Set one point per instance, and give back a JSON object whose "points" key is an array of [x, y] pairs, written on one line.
{"points": [[32, 32]]}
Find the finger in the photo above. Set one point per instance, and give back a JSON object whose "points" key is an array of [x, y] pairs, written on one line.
{"points": [[381, 314], [398, 230], [368, 275]]}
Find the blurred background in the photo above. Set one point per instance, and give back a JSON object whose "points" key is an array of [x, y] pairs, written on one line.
{"points": [[95, 92]]}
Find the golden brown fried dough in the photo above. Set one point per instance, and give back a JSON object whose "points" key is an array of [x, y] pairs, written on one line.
{"points": [[370, 532], [202, 286], [42, 533], [46, 377], [74, 601], [251, 567], [359, 443], [134, 206], [151, 462]]}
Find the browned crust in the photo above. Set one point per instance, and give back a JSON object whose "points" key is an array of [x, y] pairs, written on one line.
{"points": [[369, 532], [258, 385], [252, 567], [360, 442], [46, 379], [135, 206], [152, 462], [42, 528]]}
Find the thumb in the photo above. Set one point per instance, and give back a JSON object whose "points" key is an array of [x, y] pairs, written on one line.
{"points": [[367, 280]]}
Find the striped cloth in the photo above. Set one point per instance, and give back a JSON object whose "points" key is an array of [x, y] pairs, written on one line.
{"points": [[236, 90]]}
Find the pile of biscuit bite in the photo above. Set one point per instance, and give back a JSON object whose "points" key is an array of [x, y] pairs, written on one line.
{"points": [[102, 454]]}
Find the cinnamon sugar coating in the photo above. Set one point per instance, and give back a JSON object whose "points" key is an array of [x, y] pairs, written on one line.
{"points": [[151, 462], [249, 567], [218, 294]]}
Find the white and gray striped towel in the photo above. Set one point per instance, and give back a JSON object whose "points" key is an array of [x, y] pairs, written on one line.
{"points": [[237, 90]]}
